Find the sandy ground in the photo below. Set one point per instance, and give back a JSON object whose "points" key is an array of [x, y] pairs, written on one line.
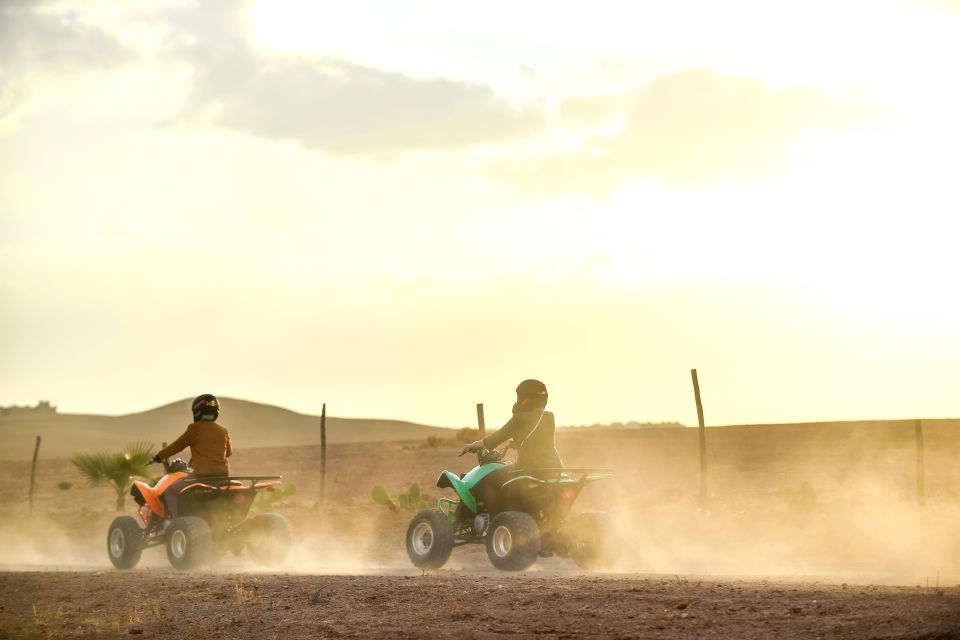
{"points": [[161, 604], [815, 534]]}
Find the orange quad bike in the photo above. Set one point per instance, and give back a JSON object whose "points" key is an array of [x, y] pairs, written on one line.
{"points": [[198, 519]]}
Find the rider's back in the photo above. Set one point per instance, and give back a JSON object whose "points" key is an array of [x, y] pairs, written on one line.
{"points": [[533, 434], [209, 445]]}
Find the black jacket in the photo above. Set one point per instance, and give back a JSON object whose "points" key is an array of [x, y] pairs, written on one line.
{"points": [[534, 435]]}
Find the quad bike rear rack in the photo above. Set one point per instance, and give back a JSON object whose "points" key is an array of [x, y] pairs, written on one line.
{"points": [[227, 482], [558, 476]]}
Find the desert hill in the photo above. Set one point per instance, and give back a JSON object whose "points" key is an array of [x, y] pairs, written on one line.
{"points": [[251, 425]]}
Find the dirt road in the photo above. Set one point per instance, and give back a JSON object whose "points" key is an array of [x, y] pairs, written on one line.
{"points": [[783, 509], [163, 604]]}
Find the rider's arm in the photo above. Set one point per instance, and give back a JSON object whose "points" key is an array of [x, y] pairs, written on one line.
{"points": [[229, 448], [177, 445], [502, 434]]}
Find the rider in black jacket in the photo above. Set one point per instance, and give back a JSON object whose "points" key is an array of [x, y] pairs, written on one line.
{"points": [[532, 428]]}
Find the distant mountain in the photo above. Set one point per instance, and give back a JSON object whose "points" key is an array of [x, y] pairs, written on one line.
{"points": [[622, 425], [251, 425]]}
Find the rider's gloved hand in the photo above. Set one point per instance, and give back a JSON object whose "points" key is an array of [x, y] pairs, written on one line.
{"points": [[474, 446], [156, 458]]}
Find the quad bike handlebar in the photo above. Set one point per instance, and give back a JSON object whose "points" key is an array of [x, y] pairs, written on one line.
{"points": [[177, 464], [486, 456]]}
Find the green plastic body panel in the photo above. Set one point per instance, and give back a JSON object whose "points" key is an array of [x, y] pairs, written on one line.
{"points": [[463, 486]]}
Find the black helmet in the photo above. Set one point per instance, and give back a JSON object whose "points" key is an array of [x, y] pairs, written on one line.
{"points": [[532, 389], [206, 407]]}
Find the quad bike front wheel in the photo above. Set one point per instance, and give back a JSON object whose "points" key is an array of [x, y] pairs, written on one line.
{"points": [[513, 541], [189, 543], [268, 538], [124, 542], [429, 539], [594, 541]]}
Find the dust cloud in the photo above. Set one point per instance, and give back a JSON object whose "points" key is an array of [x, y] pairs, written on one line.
{"points": [[836, 502], [799, 500]]}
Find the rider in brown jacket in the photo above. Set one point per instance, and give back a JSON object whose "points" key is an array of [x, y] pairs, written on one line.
{"points": [[209, 442]]}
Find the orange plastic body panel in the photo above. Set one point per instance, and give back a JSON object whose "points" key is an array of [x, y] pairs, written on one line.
{"points": [[167, 480], [151, 495]]}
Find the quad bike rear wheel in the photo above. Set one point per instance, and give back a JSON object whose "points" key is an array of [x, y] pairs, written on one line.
{"points": [[429, 539], [268, 538], [189, 543], [594, 541], [513, 541], [124, 542]]}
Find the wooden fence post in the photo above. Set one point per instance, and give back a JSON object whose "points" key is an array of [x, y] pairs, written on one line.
{"points": [[33, 471], [703, 440], [921, 473], [323, 454], [480, 421]]}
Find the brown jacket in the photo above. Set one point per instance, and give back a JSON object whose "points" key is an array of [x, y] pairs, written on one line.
{"points": [[209, 445]]}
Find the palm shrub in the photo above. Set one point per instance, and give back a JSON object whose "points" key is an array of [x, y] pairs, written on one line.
{"points": [[116, 469]]}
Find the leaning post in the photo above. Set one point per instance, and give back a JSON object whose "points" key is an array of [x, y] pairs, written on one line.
{"points": [[921, 472], [481, 424], [33, 471], [703, 441], [323, 454]]}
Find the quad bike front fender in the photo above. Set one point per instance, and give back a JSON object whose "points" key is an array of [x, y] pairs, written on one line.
{"points": [[148, 497], [464, 486]]}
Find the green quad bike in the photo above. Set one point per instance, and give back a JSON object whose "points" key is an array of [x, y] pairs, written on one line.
{"points": [[519, 515]]}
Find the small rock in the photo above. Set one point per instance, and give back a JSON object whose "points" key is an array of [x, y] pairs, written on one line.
{"points": [[682, 605], [795, 610], [135, 632], [320, 599]]}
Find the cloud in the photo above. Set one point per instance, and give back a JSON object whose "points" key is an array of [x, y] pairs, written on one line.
{"points": [[345, 108], [692, 127], [327, 103], [41, 44]]}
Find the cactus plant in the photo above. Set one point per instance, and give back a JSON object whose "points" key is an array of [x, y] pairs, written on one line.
{"points": [[267, 499], [380, 496], [411, 500]]}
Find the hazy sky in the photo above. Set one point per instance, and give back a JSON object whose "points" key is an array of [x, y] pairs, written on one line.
{"points": [[405, 208]]}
